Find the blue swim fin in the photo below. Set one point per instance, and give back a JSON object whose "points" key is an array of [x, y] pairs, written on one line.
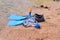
{"points": [[16, 17], [15, 23]]}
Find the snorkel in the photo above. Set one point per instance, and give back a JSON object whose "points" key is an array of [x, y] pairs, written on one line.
{"points": [[29, 14]]}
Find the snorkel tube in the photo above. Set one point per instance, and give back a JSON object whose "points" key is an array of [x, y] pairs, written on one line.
{"points": [[29, 14]]}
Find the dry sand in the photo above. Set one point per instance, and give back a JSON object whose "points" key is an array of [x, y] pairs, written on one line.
{"points": [[50, 29]]}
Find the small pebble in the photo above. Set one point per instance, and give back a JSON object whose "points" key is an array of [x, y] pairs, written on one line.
{"points": [[42, 6]]}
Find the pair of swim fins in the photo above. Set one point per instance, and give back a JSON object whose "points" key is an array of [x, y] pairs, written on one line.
{"points": [[16, 20]]}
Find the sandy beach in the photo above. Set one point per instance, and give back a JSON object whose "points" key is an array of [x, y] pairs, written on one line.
{"points": [[50, 29]]}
